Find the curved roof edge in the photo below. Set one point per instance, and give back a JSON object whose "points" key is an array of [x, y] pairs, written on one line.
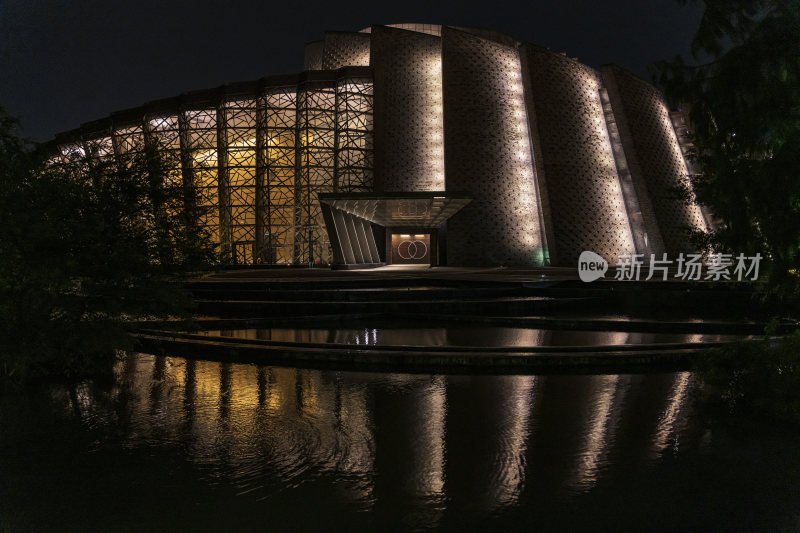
{"points": [[204, 97]]}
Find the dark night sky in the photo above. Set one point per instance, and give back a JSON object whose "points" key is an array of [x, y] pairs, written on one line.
{"points": [[66, 62]]}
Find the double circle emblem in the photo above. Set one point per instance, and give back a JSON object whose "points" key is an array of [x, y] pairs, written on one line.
{"points": [[409, 249]]}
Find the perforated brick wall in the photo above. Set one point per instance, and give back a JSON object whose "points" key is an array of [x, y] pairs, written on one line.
{"points": [[586, 201], [487, 153], [345, 49], [409, 137], [655, 158]]}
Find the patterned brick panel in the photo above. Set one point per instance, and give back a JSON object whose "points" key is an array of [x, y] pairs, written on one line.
{"points": [[654, 155], [409, 137], [312, 59], [586, 201], [488, 154], [345, 49]]}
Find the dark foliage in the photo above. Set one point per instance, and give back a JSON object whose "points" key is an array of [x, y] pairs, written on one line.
{"points": [[88, 244], [759, 379], [743, 101]]}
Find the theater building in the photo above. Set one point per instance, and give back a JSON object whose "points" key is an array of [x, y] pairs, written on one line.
{"points": [[423, 144]]}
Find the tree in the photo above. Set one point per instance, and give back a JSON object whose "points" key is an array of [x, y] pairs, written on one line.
{"points": [[743, 99], [89, 244]]}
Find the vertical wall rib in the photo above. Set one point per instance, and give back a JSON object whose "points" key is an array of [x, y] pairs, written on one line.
{"points": [[336, 241], [301, 185], [655, 240], [587, 205], [632, 204], [409, 136], [353, 237], [187, 175], [545, 213], [261, 253], [363, 239], [224, 189], [488, 153], [344, 237], [369, 235], [654, 158]]}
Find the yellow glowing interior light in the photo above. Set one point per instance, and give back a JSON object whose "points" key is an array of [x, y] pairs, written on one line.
{"points": [[244, 143], [418, 236], [405, 236]]}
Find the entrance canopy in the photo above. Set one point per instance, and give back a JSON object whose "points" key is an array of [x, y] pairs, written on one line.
{"points": [[408, 209], [349, 218]]}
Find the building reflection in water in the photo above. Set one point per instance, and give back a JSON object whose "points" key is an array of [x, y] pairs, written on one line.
{"points": [[410, 444]]}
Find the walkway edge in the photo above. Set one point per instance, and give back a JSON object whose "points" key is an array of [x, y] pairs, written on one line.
{"points": [[422, 360]]}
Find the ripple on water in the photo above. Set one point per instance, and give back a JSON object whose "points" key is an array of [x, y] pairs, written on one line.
{"points": [[425, 451]]}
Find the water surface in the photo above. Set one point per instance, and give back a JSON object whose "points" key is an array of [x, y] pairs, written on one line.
{"points": [[184, 445]]}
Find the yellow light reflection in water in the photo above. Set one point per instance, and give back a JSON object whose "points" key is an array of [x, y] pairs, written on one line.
{"points": [[283, 426]]}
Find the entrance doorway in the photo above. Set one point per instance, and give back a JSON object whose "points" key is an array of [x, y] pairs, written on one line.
{"points": [[411, 249]]}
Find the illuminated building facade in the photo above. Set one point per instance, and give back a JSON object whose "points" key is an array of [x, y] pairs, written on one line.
{"points": [[417, 143]]}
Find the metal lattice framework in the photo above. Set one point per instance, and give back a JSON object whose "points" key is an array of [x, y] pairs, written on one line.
{"points": [[238, 166], [316, 156], [354, 126], [201, 146], [258, 159], [277, 144]]}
